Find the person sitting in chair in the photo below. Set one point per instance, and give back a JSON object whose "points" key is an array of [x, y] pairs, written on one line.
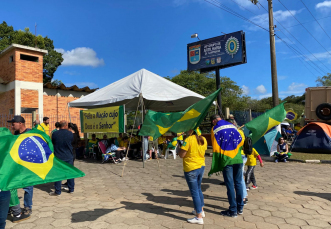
{"points": [[282, 150], [119, 151]]}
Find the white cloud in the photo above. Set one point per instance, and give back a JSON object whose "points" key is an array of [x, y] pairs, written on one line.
{"points": [[83, 84], [323, 5], [263, 19], [281, 77], [81, 56], [294, 87], [321, 56], [260, 89], [72, 73], [245, 89]]}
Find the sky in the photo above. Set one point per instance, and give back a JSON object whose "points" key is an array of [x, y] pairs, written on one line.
{"points": [[103, 41]]}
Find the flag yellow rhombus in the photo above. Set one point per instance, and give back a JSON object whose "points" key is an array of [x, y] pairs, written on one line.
{"points": [[272, 123]]}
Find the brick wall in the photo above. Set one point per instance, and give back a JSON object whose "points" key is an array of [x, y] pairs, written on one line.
{"points": [[27, 70], [7, 70], [29, 98], [7, 101]]}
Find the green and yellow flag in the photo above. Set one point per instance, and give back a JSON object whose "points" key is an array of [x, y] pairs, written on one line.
{"points": [[158, 123], [28, 159], [262, 124]]}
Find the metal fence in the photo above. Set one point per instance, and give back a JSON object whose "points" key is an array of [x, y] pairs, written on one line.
{"points": [[243, 117]]}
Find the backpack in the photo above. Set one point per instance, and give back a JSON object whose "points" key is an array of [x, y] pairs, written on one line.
{"points": [[248, 146]]}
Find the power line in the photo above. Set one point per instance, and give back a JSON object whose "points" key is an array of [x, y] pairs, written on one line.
{"points": [[315, 19], [304, 28], [296, 39], [318, 19]]}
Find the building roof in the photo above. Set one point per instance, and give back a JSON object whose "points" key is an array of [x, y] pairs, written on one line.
{"points": [[12, 46], [72, 88]]}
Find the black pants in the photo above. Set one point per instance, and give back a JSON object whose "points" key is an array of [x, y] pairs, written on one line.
{"points": [[281, 157], [249, 177], [119, 154]]}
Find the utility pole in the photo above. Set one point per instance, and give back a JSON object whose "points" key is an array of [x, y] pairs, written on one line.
{"points": [[218, 86], [274, 82]]}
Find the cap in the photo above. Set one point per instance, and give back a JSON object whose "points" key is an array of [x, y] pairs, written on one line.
{"points": [[231, 115], [17, 118]]}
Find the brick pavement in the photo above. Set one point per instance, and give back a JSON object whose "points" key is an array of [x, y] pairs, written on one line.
{"points": [[291, 195]]}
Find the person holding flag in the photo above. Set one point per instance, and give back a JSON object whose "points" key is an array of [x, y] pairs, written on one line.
{"points": [[226, 142], [193, 154]]}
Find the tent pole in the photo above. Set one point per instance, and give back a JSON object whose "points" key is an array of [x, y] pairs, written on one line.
{"points": [[142, 121], [127, 150]]}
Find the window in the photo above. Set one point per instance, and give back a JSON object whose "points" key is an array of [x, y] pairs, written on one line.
{"points": [[27, 110], [11, 59], [11, 111], [29, 58]]}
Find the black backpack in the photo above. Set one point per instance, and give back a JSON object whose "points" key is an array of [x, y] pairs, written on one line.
{"points": [[248, 146]]}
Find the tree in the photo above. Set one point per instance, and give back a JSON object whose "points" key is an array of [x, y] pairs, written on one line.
{"points": [[52, 60], [324, 81], [205, 84], [56, 82]]}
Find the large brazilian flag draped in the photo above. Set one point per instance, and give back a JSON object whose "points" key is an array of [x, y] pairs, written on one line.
{"points": [[158, 123], [28, 159], [263, 123]]}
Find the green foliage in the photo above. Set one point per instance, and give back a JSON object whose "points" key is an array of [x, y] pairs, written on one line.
{"points": [[51, 61], [324, 81], [295, 99], [56, 82], [205, 84]]}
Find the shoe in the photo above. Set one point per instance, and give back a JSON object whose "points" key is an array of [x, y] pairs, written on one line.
{"points": [[202, 213], [285, 160], [254, 187], [229, 213], [245, 202], [54, 194], [276, 161], [20, 218], [195, 220], [70, 192], [27, 211], [247, 189], [240, 212]]}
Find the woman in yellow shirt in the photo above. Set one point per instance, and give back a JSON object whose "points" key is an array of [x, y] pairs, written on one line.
{"points": [[193, 154]]}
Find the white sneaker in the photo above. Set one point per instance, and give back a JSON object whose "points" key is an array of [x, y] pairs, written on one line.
{"points": [[203, 213], [195, 220]]}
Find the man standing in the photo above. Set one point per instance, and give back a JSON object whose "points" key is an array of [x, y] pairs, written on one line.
{"points": [[226, 141], [37, 126], [18, 125], [232, 120], [45, 125], [62, 140]]}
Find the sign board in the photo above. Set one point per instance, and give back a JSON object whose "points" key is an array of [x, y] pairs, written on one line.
{"points": [[107, 119], [217, 52]]}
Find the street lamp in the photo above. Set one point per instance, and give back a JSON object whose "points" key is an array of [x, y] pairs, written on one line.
{"points": [[195, 36]]}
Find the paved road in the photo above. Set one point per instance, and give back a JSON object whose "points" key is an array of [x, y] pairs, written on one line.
{"points": [[291, 195]]}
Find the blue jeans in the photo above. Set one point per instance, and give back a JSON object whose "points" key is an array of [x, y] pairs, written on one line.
{"points": [[4, 207], [243, 179], [233, 176], [70, 182], [28, 194], [194, 179]]}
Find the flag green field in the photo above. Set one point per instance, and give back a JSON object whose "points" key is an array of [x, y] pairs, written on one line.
{"points": [[158, 123], [28, 159]]}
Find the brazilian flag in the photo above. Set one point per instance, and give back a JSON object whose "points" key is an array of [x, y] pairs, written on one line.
{"points": [[263, 123], [158, 123], [28, 159]]}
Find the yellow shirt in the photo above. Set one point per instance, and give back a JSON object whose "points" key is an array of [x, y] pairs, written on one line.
{"points": [[123, 144], [46, 128], [195, 155], [180, 136], [161, 139], [297, 128], [251, 159]]}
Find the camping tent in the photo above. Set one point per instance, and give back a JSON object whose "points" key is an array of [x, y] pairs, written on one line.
{"points": [[159, 94], [315, 137]]}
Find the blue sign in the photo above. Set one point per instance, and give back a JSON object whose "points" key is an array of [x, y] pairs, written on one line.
{"points": [[217, 52]]}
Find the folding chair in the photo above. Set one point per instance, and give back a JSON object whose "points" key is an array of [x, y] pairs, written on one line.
{"points": [[173, 151], [103, 150]]}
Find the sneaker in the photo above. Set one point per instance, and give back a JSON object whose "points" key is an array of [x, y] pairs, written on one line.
{"points": [[285, 160], [27, 211], [202, 213], [195, 220], [276, 161], [240, 212], [245, 202], [229, 213], [70, 192], [247, 189], [254, 187], [20, 218], [54, 194]]}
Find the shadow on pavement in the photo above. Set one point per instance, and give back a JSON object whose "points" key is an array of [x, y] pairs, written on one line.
{"points": [[90, 215], [45, 187], [188, 194], [206, 180], [326, 196]]}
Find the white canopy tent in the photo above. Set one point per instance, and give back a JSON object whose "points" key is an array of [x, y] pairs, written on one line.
{"points": [[159, 94]]}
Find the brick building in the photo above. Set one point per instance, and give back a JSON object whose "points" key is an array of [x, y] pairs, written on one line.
{"points": [[22, 91]]}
